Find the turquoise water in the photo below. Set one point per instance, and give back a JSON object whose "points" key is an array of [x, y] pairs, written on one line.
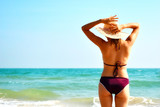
{"points": [[73, 86]]}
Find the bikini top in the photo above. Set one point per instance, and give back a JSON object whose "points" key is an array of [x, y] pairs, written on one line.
{"points": [[115, 73]]}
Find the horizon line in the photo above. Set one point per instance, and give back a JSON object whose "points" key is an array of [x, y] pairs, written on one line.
{"points": [[72, 68]]}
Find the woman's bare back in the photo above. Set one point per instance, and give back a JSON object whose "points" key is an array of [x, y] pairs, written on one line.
{"points": [[110, 56]]}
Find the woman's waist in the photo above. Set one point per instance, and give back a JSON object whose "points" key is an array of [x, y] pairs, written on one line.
{"points": [[120, 73]]}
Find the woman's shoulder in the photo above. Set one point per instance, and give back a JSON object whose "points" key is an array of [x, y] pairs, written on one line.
{"points": [[124, 43]]}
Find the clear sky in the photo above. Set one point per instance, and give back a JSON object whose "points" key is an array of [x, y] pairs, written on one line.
{"points": [[47, 33]]}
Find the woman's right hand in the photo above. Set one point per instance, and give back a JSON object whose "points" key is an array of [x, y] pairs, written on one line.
{"points": [[116, 28], [110, 19]]}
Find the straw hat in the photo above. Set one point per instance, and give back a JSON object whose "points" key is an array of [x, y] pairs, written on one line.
{"points": [[103, 29]]}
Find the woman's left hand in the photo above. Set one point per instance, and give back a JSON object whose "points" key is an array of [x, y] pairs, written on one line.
{"points": [[115, 27], [110, 19]]}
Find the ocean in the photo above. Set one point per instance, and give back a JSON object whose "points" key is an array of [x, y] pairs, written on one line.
{"points": [[72, 87]]}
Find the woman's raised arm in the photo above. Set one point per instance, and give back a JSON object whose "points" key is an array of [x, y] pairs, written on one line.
{"points": [[95, 39], [135, 26]]}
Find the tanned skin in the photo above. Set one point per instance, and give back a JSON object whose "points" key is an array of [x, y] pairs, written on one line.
{"points": [[111, 56]]}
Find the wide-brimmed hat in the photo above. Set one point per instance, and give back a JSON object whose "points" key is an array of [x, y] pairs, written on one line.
{"points": [[106, 32]]}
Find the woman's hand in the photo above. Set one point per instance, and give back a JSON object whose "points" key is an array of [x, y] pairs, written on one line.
{"points": [[116, 28], [110, 19]]}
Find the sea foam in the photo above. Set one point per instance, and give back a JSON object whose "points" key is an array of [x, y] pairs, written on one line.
{"points": [[78, 102]]}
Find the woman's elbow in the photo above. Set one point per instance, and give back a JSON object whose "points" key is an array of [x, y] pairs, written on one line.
{"points": [[83, 28], [138, 25]]}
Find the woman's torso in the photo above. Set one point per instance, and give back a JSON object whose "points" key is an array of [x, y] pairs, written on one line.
{"points": [[110, 56]]}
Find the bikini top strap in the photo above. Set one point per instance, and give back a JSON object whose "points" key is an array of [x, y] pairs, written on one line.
{"points": [[115, 73], [109, 64], [117, 64]]}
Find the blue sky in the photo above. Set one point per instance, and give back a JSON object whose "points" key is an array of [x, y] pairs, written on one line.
{"points": [[47, 33]]}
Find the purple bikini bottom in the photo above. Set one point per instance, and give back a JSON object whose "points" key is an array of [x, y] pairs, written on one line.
{"points": [[114, 84]]}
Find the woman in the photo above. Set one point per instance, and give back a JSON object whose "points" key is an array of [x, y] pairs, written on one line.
{"points": [[115, 52]]}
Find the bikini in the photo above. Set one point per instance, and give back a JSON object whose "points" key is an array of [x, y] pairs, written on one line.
{"points": [[114, 84]]}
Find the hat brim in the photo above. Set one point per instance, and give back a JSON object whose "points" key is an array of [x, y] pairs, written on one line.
{"points": [[102, 30]]}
